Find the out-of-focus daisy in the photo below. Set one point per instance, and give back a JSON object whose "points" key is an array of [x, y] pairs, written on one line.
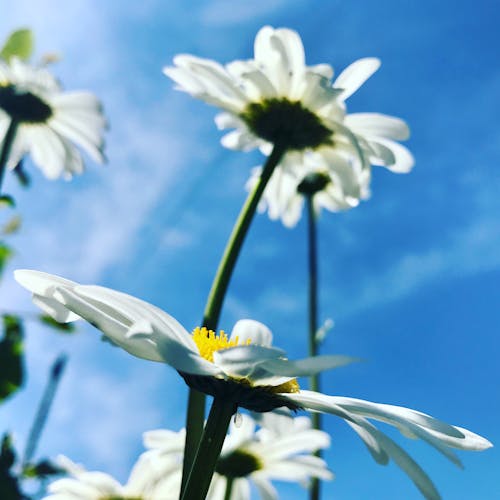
{"points": [[276, 98], [244, 369], [332, 190], [281, 452], [151, 478], [48, 122]]}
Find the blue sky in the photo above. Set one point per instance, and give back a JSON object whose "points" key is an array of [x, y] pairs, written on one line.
{"points": [[410, 276]]}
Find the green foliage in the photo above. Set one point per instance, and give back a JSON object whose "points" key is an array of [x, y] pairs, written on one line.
{"points": [[61, 327], [11, 356], [9, 485], [5, 254], [7, 201], [42, 469], [18, 44]]}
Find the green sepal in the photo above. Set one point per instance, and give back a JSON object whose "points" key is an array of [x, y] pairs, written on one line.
{"points": [[19, 44], [11, 356]]}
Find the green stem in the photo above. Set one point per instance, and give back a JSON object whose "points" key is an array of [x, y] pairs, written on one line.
{"points": [[314, 381], [196, 401], [8, 141], [235, 242], [209, 450], [56, 373], [229, 488]]}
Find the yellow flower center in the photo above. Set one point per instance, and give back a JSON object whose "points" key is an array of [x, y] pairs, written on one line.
{"points": [[208, 342]]}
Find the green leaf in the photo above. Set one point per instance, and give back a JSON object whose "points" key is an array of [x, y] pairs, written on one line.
{"points": [[61, 327], [11, 356], [7, 453], [42, 469], [5, 254], [19, 44], [9, 484], [7, 201]]}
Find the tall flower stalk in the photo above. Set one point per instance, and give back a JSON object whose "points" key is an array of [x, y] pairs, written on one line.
{"points": [[314, 383], [6, 148], [196, 400]]}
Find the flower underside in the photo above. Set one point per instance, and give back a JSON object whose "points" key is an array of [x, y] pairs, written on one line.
{"points": [[286, 123], [241, 391], [313, 183], [23, 107], [239, 463]]}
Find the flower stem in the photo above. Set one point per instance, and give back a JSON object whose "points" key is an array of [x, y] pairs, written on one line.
{"points": [[196, 401], [8, 141], [314, 381], [56, 373], [235, 242], [209, 450], [229, 488]]}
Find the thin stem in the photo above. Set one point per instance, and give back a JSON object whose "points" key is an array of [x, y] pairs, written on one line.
{"points": [[235, 242], [196, 401], [229, 488], [8, 141], [56, 372], [209, 450], [314, 381]]}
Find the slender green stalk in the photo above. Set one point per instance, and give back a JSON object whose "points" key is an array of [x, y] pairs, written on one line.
{"points": [[209, 450], [235, 242], [314, 381], [196, 401], [229, 488], [56, 373], [7, 146]]}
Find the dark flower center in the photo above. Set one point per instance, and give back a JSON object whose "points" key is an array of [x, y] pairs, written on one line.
{"points": [[287, 123], [313, 183], [239, 463], [23, 106]]}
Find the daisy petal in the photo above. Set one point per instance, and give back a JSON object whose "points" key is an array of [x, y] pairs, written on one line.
{"points": [[355, 75]]}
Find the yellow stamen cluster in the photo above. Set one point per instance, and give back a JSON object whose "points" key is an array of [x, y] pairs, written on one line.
{"points": [[290, 387], [208, 342]]}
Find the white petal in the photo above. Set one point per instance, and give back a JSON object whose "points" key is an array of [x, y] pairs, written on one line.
{"points": [[404, 160], [266, 489], [377, 124], [254, 331], [307, 366], [355, 75], [406, 463], [239, 140]]}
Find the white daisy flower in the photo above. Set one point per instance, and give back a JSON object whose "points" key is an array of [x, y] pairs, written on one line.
{"points": [[276, 99], [244, 368], [281, 451], [151, 478], [283, 197], [48, 122]]}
